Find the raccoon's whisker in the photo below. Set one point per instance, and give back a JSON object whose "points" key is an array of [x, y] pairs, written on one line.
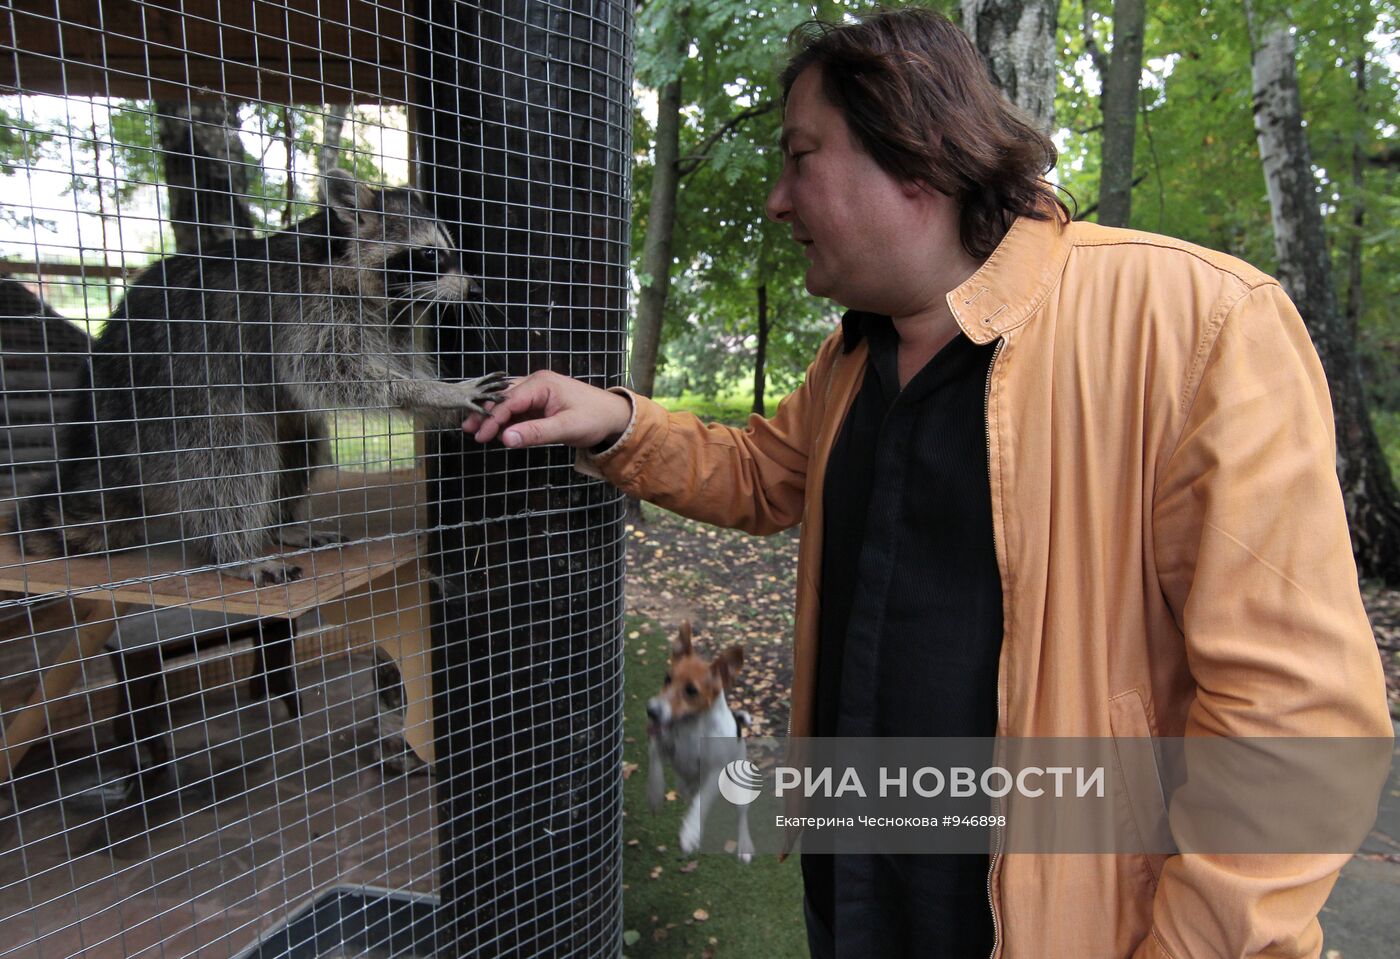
{"points": [[488, 334], [410, 304]]}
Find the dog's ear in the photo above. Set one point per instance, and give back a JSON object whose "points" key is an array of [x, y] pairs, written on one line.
{"points": [[727, 664], [680, 646]]}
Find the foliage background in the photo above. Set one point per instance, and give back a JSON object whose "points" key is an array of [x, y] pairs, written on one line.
{"points": [[1197, 167]]}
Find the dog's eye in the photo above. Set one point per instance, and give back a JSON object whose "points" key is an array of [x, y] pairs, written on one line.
{"points": [[692, 690]]}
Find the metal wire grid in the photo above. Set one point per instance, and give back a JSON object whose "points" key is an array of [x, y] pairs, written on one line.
{"points": [[522, 139]]}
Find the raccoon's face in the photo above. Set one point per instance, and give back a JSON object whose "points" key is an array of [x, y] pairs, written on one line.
{"points": [[401, 251], [428, 273]]}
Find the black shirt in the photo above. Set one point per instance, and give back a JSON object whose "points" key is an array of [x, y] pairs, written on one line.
{"points": [[911, 624]]}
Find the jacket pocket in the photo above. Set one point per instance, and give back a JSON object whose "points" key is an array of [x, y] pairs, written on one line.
{"points": [[1141, 780]]}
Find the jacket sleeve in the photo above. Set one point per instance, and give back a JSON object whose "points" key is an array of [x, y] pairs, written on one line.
{"points": [[1255, 561], [753, 479]]}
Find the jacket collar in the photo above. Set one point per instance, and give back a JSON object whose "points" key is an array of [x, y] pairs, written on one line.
{"points": [[1006, 290]]}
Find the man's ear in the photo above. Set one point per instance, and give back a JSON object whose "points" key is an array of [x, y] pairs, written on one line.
{"points": [[726, 666], [680, 646], [349, 200]]}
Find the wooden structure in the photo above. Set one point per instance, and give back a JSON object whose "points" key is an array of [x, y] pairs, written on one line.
{"points": [[279, 51], [372, 588]]}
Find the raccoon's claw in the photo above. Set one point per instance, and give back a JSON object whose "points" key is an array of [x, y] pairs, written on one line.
{"points": [[300, 537], [486, 389], [268, 573], [490, 381]]}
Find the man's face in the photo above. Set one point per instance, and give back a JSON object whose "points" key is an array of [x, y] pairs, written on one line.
{"points": [[851, 216]]}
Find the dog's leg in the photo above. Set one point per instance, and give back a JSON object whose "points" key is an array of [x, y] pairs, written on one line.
{"points": [[656, 776], [693, 827], [745, 849]]}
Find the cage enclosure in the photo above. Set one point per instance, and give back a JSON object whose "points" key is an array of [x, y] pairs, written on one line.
{"points": [[289, 667]]}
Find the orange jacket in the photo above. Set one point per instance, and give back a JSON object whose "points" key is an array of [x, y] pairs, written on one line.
{"points": [[1173, 551]]}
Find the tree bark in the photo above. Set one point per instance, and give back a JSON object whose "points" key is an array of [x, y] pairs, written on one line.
{"points": [[1305, 269], [1358, 205], [760, 359], [656, 249], [206, 172], [1017, 41], [328, 156], [1120, 110]]}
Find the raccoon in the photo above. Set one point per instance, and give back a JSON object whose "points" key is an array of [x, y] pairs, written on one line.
{"points": [[213, 380]]}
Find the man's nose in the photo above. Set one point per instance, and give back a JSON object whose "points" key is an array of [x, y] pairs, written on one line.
{"points": [[779, 207]]}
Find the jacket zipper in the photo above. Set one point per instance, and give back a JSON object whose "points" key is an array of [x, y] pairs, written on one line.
{"points": [[996, 845]]}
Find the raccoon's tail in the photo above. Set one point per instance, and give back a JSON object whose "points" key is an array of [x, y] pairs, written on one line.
{"points": [[63, 512], [37, 520]]}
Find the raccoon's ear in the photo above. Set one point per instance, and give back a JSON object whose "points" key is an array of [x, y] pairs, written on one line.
{"points": [[348, 198]]}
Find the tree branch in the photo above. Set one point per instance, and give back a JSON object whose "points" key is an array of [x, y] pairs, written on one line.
{"points": [[1387, 155], [1091, 46], [689, 164], [1094, 207]]}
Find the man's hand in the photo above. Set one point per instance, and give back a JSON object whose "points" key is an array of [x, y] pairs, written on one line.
{"points": [[546, 407]]}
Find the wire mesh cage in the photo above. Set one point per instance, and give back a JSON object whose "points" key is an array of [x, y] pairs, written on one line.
{"points": [[289, 667]]}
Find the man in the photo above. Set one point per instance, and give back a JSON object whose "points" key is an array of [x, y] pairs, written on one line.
{"points": [[1054, 480]]}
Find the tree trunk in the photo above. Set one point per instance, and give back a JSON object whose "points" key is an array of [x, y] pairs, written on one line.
{"points": [[328, 156], [760, 359], [1305, 269], [1358, 204], [1017, 41], [656, 250], [206, 171], [1120, 110], [289, 146]]}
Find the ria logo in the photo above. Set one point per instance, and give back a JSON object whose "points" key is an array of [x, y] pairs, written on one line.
{"points": [[740, 782]]}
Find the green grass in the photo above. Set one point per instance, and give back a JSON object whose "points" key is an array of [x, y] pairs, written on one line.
{"points": [[754, 910], [731, 408], [373, 441]]}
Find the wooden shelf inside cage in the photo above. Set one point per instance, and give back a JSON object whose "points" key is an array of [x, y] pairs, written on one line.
{"points": [[371, 589], [377, 513]]}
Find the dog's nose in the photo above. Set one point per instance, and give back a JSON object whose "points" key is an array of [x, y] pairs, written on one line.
{"points": [[654, 711]]}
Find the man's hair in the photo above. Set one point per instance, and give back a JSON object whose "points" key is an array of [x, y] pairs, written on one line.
{"points": [[917, 97]]}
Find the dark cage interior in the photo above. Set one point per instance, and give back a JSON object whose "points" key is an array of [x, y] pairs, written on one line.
{"points": [[287, 666]]}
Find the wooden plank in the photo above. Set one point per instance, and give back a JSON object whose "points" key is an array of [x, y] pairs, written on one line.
{"points": [[393, 613], [92, 270], [93, 623], [156, 576], [379, 513], [279, 51]]}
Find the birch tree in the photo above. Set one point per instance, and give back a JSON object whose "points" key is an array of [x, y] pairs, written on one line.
{"points": [[1305, 270], [1017, 40]]}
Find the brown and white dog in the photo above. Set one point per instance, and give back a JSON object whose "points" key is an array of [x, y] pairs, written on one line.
{"points": [[691, 727]]}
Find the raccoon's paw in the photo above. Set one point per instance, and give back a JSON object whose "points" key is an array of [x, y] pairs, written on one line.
{"points": [[485, 389], [395, 754], [301, 537], [268, 573], [399, 759]]}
